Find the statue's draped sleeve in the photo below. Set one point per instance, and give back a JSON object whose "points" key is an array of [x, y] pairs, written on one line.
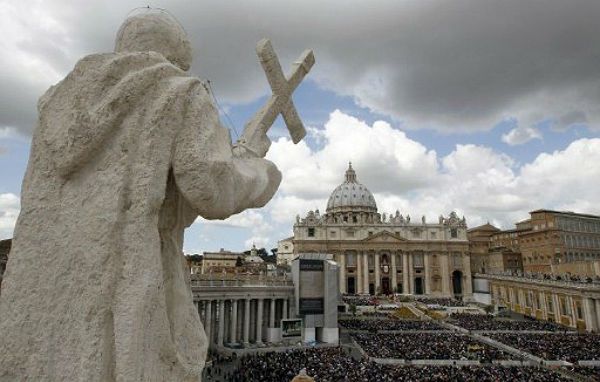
{"points": [[211, 179]]}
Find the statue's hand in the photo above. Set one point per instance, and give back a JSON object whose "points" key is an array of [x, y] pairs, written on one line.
{"points": [[254, 143]]}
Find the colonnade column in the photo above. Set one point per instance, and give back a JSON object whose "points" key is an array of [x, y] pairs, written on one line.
{"points": [[208, 321], [405, 287], [377, 276], [259, 318], [427, 284], [246, 321], [221, 331], [233, 326], [394, 273], [557, 313], [589, 313], [365, 273], [272, 314], [543, 307], [342, 264], [284, 313]]}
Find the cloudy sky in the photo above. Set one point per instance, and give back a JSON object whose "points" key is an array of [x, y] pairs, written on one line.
{"points": [[489, 108]]}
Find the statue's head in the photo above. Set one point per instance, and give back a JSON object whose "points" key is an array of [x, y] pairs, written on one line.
{"points": [[158, 32]]}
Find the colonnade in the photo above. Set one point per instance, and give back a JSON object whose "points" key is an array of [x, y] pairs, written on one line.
{"points": [[365, 272], [241, 320]]}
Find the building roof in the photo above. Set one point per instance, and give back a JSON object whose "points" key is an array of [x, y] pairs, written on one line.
{"points": [[351, 195], [484, 227], [571, 213]]}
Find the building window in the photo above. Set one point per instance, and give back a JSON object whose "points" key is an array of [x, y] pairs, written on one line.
{"points": [[453, 233], [418, 260], [332, 233], [370, 233], [311, 232], [350, 233], [354, 219], [433, 233]]}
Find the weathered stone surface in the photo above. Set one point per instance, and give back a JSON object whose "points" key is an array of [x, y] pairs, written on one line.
{"points": [[127, 152]]}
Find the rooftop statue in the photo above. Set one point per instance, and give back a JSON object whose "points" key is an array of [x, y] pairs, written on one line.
{"points": [[127, 152]]}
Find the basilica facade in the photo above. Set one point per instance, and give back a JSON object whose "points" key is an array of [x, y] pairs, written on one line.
{"points": [[381, 253]]}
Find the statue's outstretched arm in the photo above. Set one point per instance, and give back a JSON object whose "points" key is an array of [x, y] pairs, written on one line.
{"points": [[214, 181]]}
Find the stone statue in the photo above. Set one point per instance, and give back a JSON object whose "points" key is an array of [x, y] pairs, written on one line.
{"points": [[423, 219], [127, 152]]}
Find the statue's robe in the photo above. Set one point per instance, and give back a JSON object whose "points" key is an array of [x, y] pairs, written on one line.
{"points": [[128, 150]]}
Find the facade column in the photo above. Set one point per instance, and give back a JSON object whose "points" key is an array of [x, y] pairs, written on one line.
{"points": [[377, 276], [365, 273], [427, 274], [208, 321], [246, 321], [259, 319], [284, 313], [342, 264], [468, 285], [589, 313], [405, 285], [394, 271], [221, 331], [272, 314], [411, 274], [233, 327], [445, 274], [597, 303], [359, 273]]}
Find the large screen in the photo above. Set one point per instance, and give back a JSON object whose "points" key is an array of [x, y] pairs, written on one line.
{"points": [[312, 284], [291, 328]]}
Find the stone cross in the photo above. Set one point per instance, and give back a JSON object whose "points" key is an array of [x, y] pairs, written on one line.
{"points": [[281, 99]]}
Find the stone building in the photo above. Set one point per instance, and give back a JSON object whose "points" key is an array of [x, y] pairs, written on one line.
{"points": [[479, 246], [550, 238], [386, 253], [572, 303], [285, 251]]}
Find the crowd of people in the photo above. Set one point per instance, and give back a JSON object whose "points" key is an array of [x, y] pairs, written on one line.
{"points": [[554, 346], [359, 300], [489, 323], [336, 364], [588, 372], [377, 325], [419, 345], [450, 302]]}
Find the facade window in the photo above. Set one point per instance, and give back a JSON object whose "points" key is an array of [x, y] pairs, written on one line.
{"points": [[332, 233], [370, 233], [350, 233], [433, 234], [418, 260], [453, 233], [354, 219], [311, 232], [350, 260]]}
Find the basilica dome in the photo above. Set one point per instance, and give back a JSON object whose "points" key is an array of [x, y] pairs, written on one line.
{"points": [[351, 196]]}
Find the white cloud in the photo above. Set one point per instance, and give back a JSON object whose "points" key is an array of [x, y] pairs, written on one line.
{"points": [[520, 135], [9, 211], [477, 181], [252, 221]]}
